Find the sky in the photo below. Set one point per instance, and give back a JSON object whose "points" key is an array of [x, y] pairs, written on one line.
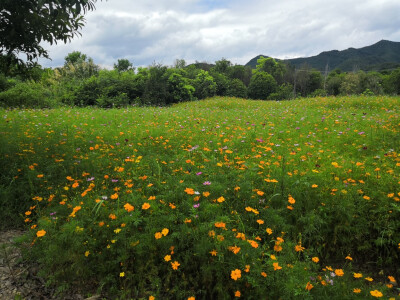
{"points": [[161, 31]]}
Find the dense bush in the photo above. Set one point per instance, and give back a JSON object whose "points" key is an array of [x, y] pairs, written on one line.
{"points": [[261, 86], [28, 95]]}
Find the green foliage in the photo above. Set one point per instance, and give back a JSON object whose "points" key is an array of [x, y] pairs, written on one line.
{"points": [[285, 92], [123, 65], [28, 95], [25, 24], [272, 67], [236, 88], [261, 86], [179, 89], [204, 85]]}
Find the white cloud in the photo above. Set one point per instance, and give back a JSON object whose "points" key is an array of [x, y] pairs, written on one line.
{"points": [[207, 30]]}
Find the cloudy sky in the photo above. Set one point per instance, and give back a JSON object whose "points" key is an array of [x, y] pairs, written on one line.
{"points": [[147, 31]]}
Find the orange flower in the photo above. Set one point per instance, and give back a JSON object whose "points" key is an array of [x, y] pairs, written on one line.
{"points": [[260, 221], [74, 210], [221, 199], [234, 249], [299, 248], [41, 233], [291, 200], [213, 253], [165, 231], [241, 236], [357, 275], [220, 225], [236, 274], [145, 205], [263, 274], [315, 259], [260, 193], [276, 266], [237, 294], [206, 194], [128, 207], [339, 272], [376, 294], [158, 235], [309, 286], [114, 196], [189, 191], [269, 231], [254, 244], [175, 265], [247, 269], [112, 216], [357, 291]]}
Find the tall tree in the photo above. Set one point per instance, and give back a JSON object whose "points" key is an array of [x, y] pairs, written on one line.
{"points": [[24, 24]]}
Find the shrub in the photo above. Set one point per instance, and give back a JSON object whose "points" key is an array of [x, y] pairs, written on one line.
{"points": [[28, 95]]}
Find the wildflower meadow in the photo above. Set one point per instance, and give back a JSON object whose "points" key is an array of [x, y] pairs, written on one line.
{"points": [[222, 198]]}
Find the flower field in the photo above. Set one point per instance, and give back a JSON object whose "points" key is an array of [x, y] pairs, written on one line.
{"points": [[217, 199]]}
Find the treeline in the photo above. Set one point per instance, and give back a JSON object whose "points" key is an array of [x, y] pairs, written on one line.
{"points": [[81, 82]]}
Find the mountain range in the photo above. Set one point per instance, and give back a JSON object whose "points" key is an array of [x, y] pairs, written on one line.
{"points": [[384, 55]]}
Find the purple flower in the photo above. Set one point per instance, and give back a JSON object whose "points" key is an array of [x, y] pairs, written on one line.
{"points": [[207, 183], [196, 205], [114, 180], [90, 179], [361, 132], [199, 173]]}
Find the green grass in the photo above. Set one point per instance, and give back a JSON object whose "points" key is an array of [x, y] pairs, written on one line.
{"points": [[283, 181]]}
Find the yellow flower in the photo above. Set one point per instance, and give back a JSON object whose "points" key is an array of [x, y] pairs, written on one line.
{"points": [[167, 257], [40, 233], [213, 253], [158, 235], [357, 291], [376, 294], [236, 274], [315, 259], [152, 298], [369, 279], [87, 253], [191, 298], [269, 231], [314, 186], [260, 193], [165, 231], [357, 275], [122, 274]]}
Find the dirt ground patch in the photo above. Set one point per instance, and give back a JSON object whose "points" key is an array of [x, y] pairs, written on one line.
{"points": [[19, 280]]}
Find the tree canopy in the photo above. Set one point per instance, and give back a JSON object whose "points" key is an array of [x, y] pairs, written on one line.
{"points": [[24, 24]]}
